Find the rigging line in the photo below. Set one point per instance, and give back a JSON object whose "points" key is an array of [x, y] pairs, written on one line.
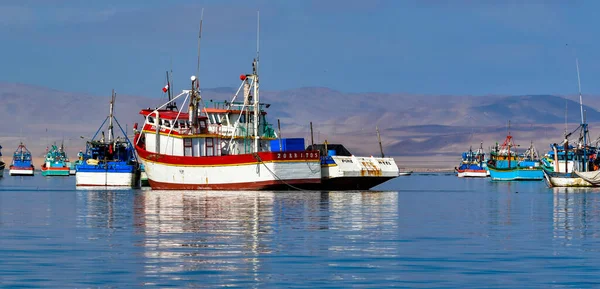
{"points": [[257, 157]]}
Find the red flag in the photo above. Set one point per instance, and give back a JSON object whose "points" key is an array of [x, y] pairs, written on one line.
{"points": [[166, 87]]}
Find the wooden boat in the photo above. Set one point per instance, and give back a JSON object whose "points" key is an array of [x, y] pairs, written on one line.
{"points": [[108, 162], [56, 162], [21, 163], [472, 164], [506, 165], [580, 160]]}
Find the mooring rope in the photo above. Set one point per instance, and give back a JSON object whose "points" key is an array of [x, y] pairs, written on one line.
{"points": [[257, 157]]}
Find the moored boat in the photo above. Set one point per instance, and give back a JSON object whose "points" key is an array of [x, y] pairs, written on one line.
{"points": [[341, 170], [2, 163], [472, 164], [220, 148], [109, 163], [21, 163], [506, 165], [56, 162], [581, 162]]}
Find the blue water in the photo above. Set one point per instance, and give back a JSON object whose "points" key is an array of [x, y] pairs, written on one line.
{"points": [[424, 231]]}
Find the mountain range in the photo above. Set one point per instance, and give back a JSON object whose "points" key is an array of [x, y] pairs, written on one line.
{"points": [[422, 130]]}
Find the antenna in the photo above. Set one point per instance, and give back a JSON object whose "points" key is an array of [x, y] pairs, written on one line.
{"points": [[199, 38], [257, 33], [579, 85]]}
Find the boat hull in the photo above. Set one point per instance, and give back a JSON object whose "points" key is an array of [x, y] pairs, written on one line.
{"points": [[340, 173], [55, 171], [472, 173], [20, 171], [565, 180], [517, 174], [347, 183], [107, 179], [261, 171]]}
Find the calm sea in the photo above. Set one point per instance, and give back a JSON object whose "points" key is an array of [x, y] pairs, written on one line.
{"points": [[425, 231]]}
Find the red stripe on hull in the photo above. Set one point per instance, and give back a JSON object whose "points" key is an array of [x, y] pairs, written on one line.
{"points": [[125, 186], [21, 168], [44, 168], [299, 156], [253, 186], [472, 171]]}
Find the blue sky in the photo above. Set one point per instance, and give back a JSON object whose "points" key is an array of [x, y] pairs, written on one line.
{"points": [[421, 47]]}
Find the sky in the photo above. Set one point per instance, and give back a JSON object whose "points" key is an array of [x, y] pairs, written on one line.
{"points": [[418, 47]]}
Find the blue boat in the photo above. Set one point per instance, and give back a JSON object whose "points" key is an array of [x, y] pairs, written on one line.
{"points": [[473, 164], [108, 162], [21, 164], [506, 165]]}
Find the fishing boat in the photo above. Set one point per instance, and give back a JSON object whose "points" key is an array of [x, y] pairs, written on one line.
{"points": [[341, 170], [403, 174], [572, 166], [472, 164], [223, 147], [580, 163], [21, 163], [2, 163], [108, 162], [56, 162], [506, 165]]}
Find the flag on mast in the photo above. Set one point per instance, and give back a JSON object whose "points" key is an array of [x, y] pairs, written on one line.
{"points": [[166, 87]]}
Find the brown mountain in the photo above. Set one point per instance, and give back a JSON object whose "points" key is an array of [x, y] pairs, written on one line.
{"points": [[422, 127]]}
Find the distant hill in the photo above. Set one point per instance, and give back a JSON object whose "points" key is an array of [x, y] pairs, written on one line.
{"points": [[415, 125]]}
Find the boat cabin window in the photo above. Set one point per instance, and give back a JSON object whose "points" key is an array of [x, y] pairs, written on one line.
{"points": [[562, 157], [175, 124], [202, 124], [150, 119]]}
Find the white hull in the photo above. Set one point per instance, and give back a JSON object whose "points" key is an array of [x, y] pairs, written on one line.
{"points": [[473, 174], [17, 172], [569, 182], [242, 176], [105, 179]]}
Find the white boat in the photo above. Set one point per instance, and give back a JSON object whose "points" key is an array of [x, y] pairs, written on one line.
{"points": [[408, 173], [226, 147], [341, 170]]}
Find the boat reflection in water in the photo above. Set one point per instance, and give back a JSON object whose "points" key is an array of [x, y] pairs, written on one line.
{"points": [[234, 237], [575, 211]]}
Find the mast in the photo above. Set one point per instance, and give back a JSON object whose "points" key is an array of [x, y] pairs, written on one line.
{"points": [[379, 140], [583, 124], [256, 97], [110, 117], [170, 105], [199, 38]]}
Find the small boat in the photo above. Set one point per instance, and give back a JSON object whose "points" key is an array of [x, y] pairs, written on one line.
{"points": [[56, 162], [402, 174], [2, 163], [506, 165], [341, 170], [108, 162], [473, 164], [571, 166], [21, 164]]}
